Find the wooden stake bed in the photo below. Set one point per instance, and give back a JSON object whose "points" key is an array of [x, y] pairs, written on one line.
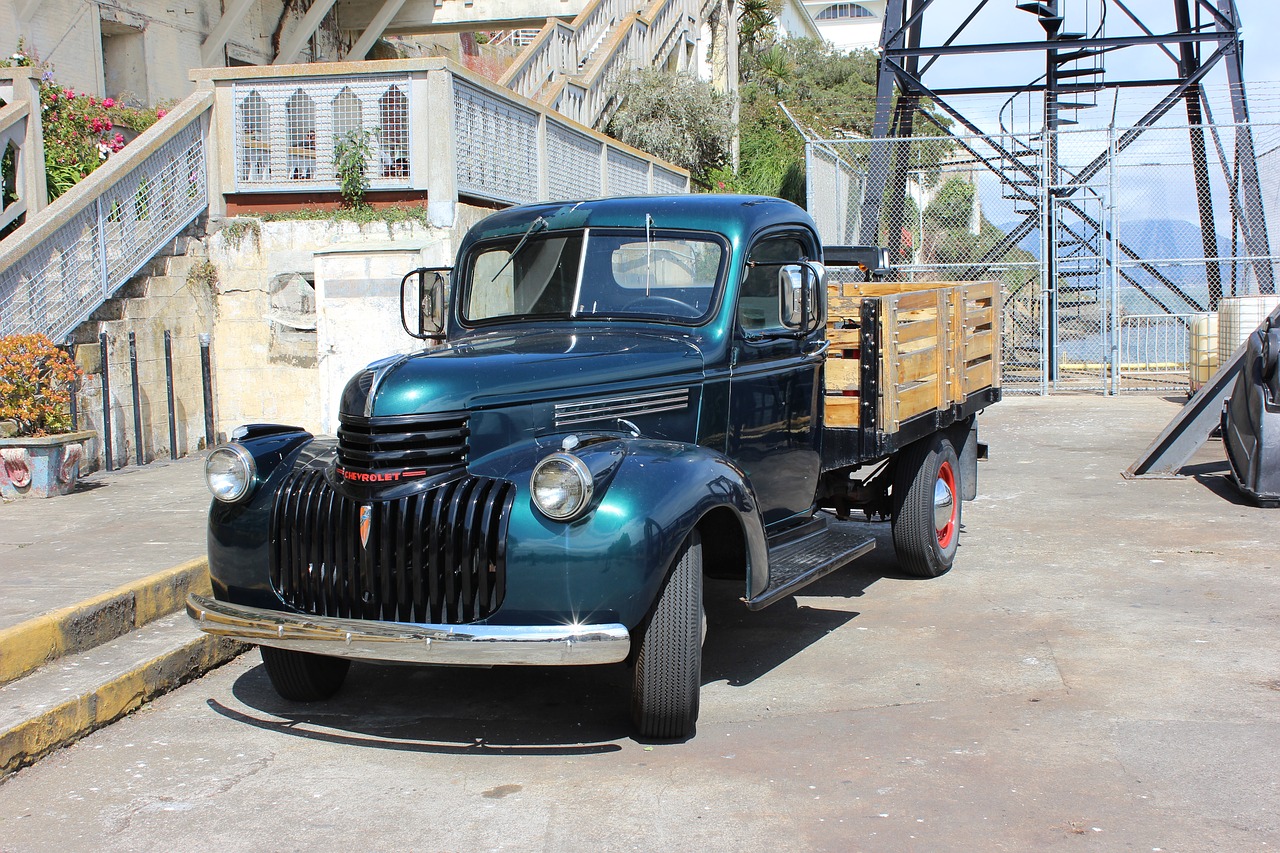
{"points": [[936, 346]]}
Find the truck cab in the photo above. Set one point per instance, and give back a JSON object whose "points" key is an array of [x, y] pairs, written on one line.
{"points": [[615, 398]]}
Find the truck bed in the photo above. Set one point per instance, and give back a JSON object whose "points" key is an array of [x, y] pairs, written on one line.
{"points": [[931, 357]]}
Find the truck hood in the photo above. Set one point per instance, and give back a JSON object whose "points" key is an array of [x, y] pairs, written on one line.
{"points": [[507, 367]]}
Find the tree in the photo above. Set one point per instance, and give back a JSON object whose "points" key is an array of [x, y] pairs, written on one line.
{"points": [[677, 117]]}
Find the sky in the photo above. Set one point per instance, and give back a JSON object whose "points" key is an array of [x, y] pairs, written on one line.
{"points": [[1000, 22]]}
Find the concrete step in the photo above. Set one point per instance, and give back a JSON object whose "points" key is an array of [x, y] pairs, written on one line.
{"points": [[44, 639], [72, 696]]}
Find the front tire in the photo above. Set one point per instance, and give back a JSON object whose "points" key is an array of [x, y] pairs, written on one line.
{"points": [[668, 670], [926, 507], [303, 677]]}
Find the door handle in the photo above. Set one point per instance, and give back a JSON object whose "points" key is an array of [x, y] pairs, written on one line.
{"points": [[815, 347]]}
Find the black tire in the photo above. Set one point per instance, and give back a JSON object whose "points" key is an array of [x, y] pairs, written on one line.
{"points": [[925, 548], [303, 677], [668, 669]]}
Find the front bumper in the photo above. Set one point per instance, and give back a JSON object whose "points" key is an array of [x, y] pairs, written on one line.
{"points": [[461, 645]]}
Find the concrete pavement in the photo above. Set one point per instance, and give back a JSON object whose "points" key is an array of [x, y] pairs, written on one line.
{"points": [[1100, 669]]}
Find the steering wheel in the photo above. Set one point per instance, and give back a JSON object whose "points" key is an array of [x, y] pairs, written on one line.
{"points": [[662, 305]]}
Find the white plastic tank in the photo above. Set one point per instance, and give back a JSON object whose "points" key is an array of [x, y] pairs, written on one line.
{"points": [[1238, 316], [1203, 357]]}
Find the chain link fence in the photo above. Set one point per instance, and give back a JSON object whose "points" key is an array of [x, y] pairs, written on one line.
{"points": [[1095, 235]]}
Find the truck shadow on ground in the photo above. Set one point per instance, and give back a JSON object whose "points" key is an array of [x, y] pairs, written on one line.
{"points": [[545, 710]]}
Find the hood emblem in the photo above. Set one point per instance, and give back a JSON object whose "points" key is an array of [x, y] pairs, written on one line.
{"points": [[366, 520]]}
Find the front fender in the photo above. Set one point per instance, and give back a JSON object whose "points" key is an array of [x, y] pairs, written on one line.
{"points": [[609, 565], [239, 534]]}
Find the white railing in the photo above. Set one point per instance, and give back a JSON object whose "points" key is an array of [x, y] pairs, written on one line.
{"points": [[576, 67], [58, 267], [281, 124], [21, 134], [436, 131], [1154, 351]]}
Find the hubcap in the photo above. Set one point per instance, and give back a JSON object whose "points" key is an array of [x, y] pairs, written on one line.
{"points": [[944, 504]]}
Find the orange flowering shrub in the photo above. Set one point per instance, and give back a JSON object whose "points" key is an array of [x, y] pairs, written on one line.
{"points": [[35, 385]]}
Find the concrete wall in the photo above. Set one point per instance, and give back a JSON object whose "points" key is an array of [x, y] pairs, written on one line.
{"points": [[249, 287], [176, 296], [69, 34]]}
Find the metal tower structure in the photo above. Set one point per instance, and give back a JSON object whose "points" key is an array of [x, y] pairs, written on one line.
{"points": [[1052, 198]]}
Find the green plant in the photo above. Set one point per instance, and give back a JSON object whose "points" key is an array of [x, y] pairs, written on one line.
{"points": [[235, 231], [203, 275], [35, 385], [677, 117], [79, 129], [389, 216], [351, 154]]}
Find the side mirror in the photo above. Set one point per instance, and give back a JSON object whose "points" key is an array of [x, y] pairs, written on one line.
{"points": [[425, 298], [800, 294], [791, 293]]}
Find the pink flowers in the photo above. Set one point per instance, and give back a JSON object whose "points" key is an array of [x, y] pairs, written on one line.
{"points": [[108, 102], [161, 113]]}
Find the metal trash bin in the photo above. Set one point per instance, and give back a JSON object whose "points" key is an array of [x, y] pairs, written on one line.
{"points": [[1251, 418]]}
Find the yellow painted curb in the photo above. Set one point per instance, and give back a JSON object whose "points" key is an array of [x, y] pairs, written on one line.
{"points": [[29, 645], [73, 719]]}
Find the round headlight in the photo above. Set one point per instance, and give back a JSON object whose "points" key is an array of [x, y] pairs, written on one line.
{"points": [[561, 486], [229, 471]]}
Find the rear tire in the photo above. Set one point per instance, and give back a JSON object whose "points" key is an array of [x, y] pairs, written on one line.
{"points": [[303, 677], [668, 670], [926, 507]]}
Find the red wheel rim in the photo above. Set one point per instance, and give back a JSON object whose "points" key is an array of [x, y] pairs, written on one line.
{"points": [[948, 478]]}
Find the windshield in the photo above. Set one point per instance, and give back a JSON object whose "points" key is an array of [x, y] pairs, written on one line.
{"points": [[594, 273]]}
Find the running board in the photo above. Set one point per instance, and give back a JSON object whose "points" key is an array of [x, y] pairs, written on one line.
{"points": [[796, 562]]}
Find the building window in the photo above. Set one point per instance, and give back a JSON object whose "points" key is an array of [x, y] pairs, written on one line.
{"points": [[840, 11]]}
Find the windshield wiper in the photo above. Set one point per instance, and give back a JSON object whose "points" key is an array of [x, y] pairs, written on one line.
{"points": [[536, 225]]}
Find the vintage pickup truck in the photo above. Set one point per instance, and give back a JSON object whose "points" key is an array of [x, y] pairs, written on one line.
{"points": [[619, 397]]}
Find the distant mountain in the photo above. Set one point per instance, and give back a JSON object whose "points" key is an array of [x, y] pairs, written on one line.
{"points": [[1161, 241], [1155, 239]]}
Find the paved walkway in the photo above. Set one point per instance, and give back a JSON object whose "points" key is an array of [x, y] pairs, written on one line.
{"points": [[114, 529]]}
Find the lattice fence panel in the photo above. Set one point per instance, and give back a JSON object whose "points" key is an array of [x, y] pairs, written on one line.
{"points": [[496, 146]]}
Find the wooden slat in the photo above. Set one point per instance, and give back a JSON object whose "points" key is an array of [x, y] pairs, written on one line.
{"points": [[979, 345], [978, 376], [887, 406], [843, 374], [841, 339], [915, 302], [915, 401], [953, 385], [842, 411], [916, 330], [844, 307], [917, 366], [891, 288]]}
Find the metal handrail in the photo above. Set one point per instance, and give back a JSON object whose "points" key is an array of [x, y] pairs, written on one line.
{"points": [[86, 192]]}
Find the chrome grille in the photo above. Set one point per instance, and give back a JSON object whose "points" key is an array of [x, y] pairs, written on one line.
{"points": [[437, 556], [434, 444], [612, 408]]}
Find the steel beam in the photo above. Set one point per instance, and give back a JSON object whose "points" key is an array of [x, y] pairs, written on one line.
{"points": [[211, 49], [1191, 427], [878, 161], [375, 30], [306, 28], [1256, 240], [1024, 46]]}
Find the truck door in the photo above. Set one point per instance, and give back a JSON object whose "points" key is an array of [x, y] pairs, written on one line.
{"points": [[773, 427]]}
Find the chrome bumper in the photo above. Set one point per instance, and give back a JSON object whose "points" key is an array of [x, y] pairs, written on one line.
{"points": [[463, 645]]}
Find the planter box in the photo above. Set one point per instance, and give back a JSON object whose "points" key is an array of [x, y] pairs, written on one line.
{"points": [[41, 467]]}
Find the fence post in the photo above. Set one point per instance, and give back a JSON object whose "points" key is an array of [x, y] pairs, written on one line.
{"points": [[442, 174], [32, 182], [1113, 272]]}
